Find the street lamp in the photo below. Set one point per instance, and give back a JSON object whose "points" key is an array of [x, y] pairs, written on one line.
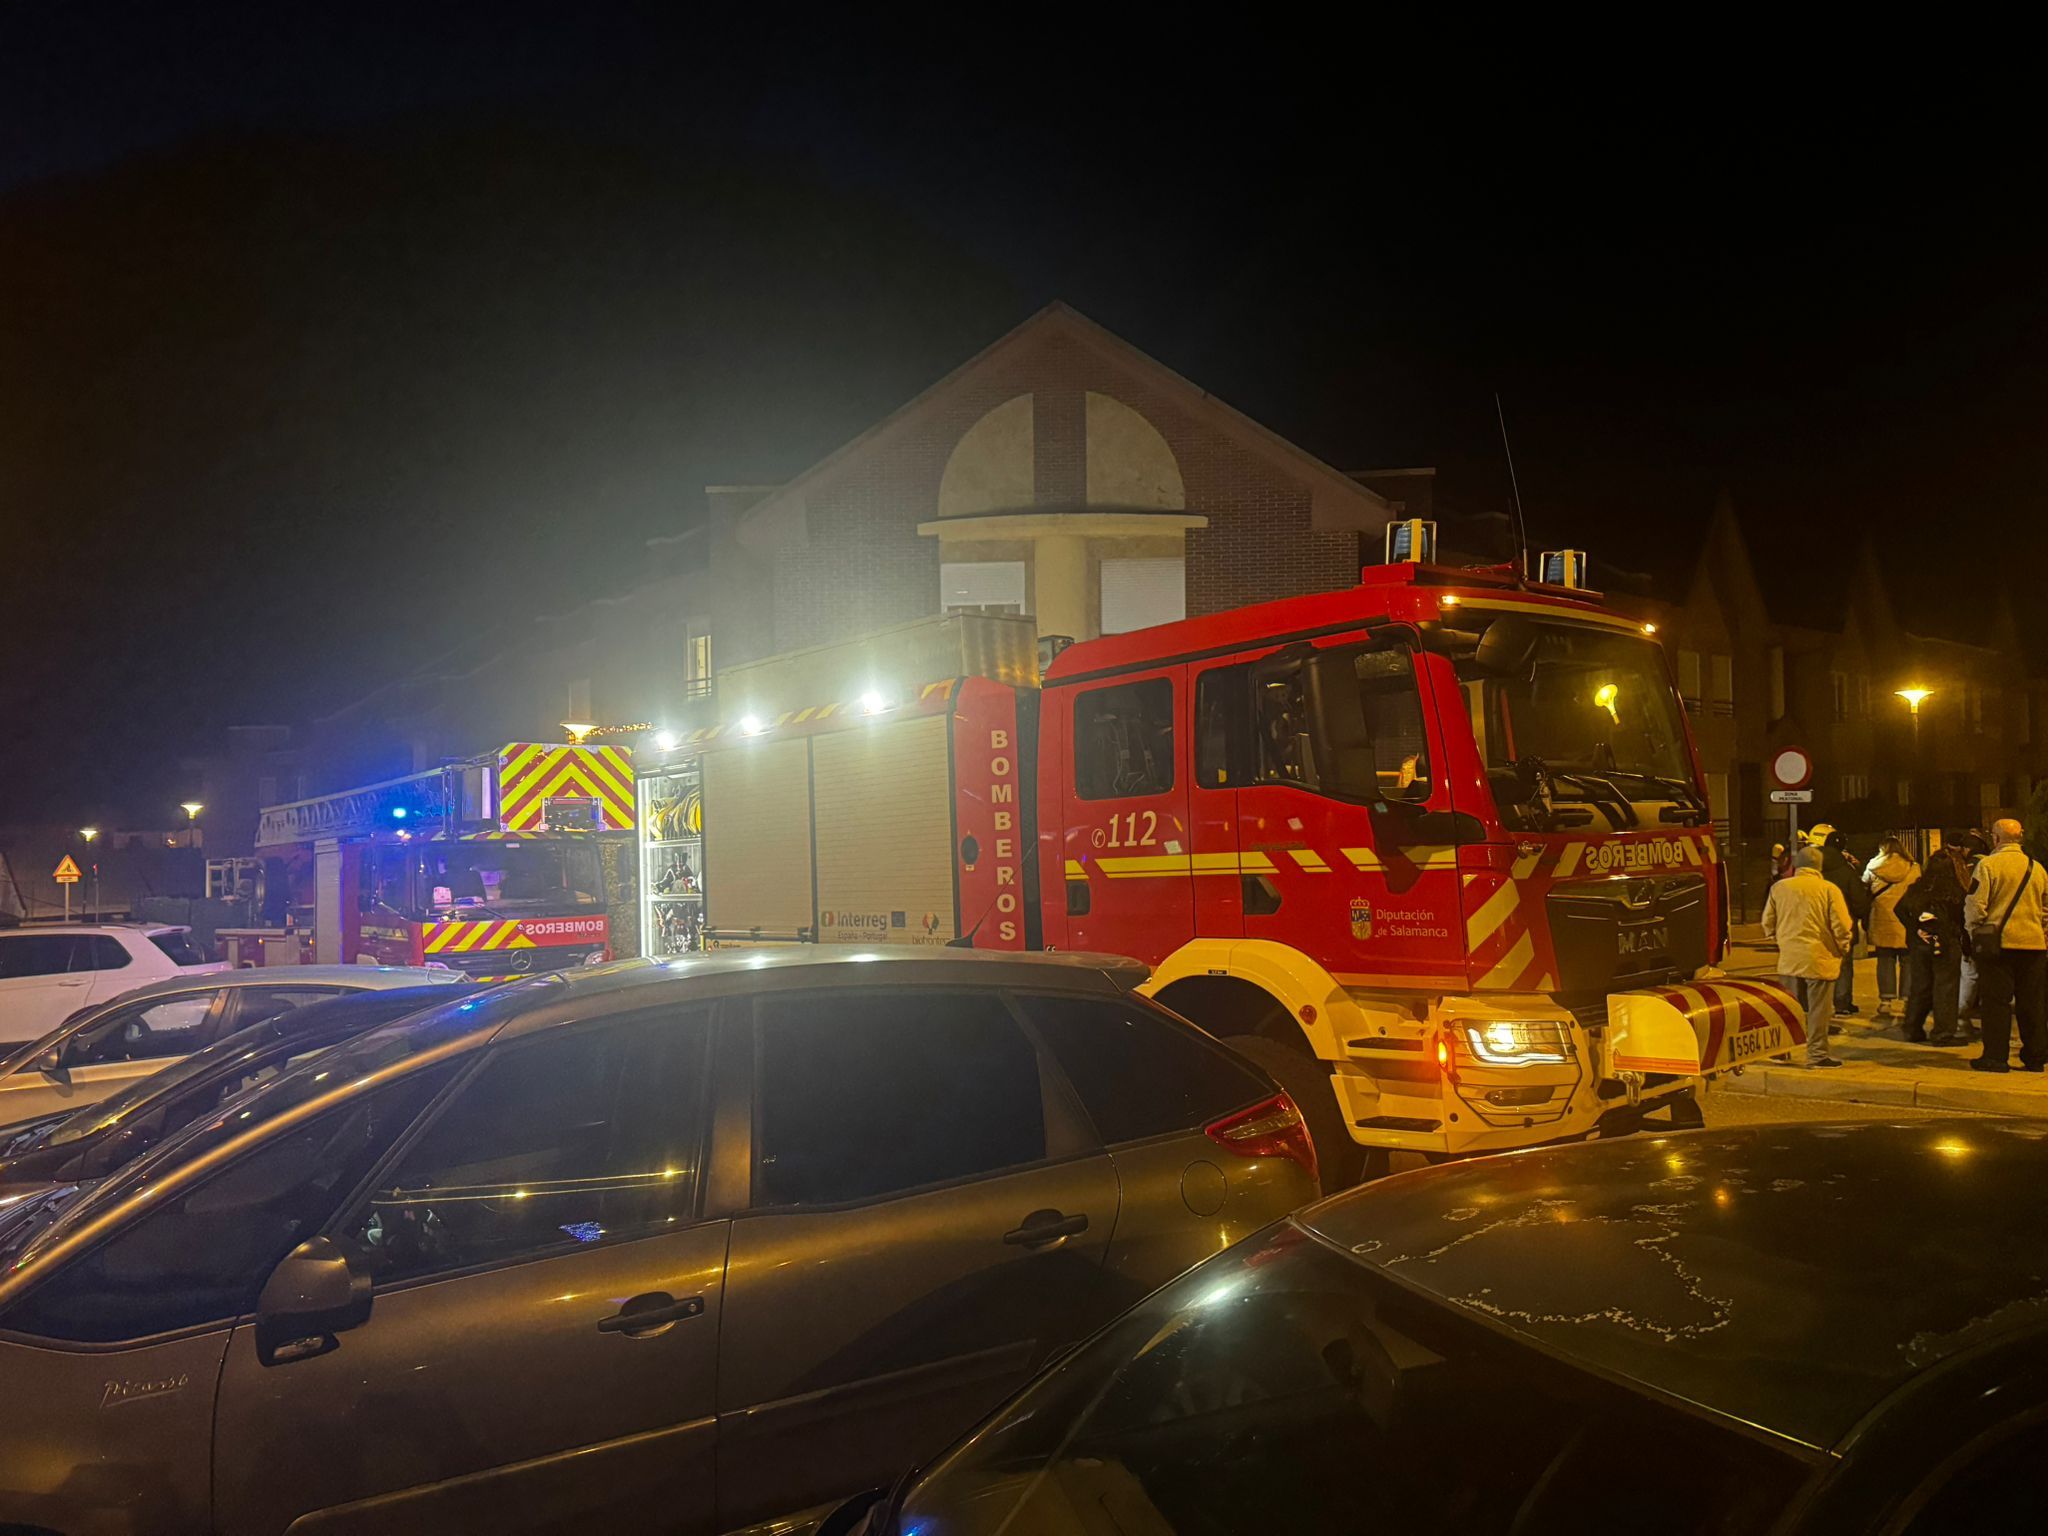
{"points": [[89, 833], [1914, 698], [191, 808], [577, 731]]}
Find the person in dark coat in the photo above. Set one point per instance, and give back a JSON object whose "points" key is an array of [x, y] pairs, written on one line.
{"points": [[1846, 876], [1932, 910]]}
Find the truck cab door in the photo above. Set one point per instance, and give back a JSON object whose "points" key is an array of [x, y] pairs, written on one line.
{"points": [[1128, 853]]}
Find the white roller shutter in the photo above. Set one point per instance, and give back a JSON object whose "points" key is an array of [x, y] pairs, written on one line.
{"points": [[1136, 594], [885, 856], [757, 837]]}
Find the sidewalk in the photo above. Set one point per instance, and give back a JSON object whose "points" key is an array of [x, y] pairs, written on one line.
{"points": [[1877, 1066]]}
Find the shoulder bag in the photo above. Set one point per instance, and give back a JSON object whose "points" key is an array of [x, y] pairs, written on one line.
{"points": [[1985, 940]]}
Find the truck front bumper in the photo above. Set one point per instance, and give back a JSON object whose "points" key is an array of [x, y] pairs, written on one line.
{"points": [[1490, 1073]]}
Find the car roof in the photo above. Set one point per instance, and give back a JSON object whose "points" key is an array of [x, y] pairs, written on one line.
{"points": [[361, 978], [142, 929], [566, 997], [1786, 1277]]}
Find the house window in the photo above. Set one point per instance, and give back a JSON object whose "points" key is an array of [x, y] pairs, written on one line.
{"points": [[1838, 687], [2023, 718], [1976, 710], [1855, 786], [1777, 682], [985, 586], [1721, 684], [1123, 740], [1136, 594], [1990, 799], [1905, 792], [1862, 695], [697, 659], [1689, 676], [266, 790]]}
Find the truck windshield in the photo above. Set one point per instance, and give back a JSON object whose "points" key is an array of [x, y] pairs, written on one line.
{"points": [[484, 876], [1591, 725]]}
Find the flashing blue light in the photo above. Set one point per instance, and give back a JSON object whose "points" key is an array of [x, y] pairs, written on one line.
{"points": [[399, 813], [583, 1231]]}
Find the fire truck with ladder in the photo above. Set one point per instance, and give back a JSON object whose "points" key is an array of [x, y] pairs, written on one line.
{"points": [[492, 866], [1433, 850]]}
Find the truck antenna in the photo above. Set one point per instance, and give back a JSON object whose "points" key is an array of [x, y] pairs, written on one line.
{"points": [[1521, 528]]}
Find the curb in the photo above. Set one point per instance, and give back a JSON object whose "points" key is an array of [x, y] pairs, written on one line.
{"points": [[1893, 1089]]}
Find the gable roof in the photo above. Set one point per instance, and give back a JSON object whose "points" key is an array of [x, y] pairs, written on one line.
{"points": [[780, 514]]}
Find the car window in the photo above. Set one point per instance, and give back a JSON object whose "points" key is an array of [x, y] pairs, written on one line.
{"points": [[203, 1257], [588, 1136], [1279, 1388], [169, 1026], [865, 1093], [1123, 740], [255, 1004], [101, 952], [1138, 1073], [178, 948], [34, 954], [1999, 1491]]}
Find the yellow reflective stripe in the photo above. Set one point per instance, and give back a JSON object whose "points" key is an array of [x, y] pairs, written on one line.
{"points": [[1569, 859], [1309, 860], [1363, 858], [1525, 865], [471, 932], [438, 935], [1692, 851], [1076, 870], [1512, 964], [1494, 911], [1431, 856], [510, 769], [1140, 866]]}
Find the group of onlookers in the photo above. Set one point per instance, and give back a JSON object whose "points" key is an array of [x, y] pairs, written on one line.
{"points": [[1968, 929]]}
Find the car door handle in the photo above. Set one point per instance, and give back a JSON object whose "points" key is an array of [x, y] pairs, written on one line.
{"points": [[650, 1312], [1048, 1226], [83, 981]]}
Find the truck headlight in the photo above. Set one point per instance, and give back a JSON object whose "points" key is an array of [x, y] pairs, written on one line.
{"points": [[1517, 1043]]}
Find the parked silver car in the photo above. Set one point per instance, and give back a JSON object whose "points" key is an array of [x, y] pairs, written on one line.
{"points": [[101, 1049]]}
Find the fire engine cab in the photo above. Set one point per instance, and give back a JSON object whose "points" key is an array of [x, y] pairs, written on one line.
{"points": [[1433, 850], [494, 866]]}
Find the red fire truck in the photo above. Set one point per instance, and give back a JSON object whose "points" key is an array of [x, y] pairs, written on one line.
{"points": [[1433, 850], [491, 866]]}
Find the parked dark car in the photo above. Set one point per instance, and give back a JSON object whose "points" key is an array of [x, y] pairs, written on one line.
{"points": [[646, 1247], [90, 1143], [1839, 1328]]}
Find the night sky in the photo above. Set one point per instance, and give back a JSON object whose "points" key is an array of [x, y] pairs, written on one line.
{"points": [[324, 341]]}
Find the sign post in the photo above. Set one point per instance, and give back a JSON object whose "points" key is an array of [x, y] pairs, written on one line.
{"points": [[1791, 780], [66, 875]]}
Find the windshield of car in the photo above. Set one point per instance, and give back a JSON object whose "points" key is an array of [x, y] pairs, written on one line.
{"points": [[178, 947], [318, 1074], [1284, 1387], [555, 876], [1593, 720]]}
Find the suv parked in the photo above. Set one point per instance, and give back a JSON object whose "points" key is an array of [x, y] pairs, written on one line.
{"points": [[49, 973], [647, 1247]]}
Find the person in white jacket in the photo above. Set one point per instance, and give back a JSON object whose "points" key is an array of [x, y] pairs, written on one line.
{"points": [[1807, 917], [2008, 904]]}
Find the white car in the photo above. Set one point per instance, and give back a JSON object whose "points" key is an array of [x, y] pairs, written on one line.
{"points": [[48, 974]]}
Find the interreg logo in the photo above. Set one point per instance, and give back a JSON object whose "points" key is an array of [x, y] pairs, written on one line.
{"points": [[1629, 858]]}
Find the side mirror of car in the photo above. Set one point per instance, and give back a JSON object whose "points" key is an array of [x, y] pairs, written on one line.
{"points": [[316, 1292], [51, 1065]]}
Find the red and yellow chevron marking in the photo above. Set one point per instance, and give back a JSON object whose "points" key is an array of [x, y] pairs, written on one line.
{"points": [[1729, 1006], [1500, 939], [462, 938], [529, 772]]}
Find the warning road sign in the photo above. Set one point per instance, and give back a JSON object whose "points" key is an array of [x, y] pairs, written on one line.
{"points": [[67, 870]]}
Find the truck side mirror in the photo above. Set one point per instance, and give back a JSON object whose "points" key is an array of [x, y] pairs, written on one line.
{"points": [[1508, 648], [315, 1292], [1343, 745]]}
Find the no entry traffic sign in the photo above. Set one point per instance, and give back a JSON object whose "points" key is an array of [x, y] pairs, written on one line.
{"points": [[1791, 768]]}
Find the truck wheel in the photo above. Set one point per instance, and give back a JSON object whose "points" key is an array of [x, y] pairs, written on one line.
{"points": [[1686, 1112], [1307, 1081]]}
